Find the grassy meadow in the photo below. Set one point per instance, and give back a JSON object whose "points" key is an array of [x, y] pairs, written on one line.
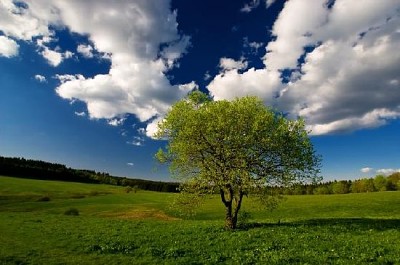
{"points": [[37, 226]]}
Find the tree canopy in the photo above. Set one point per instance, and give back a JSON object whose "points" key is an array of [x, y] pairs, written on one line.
{"points": [[235, 148]]}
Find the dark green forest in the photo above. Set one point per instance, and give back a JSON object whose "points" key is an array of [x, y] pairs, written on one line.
{"points": [[36, 169]]}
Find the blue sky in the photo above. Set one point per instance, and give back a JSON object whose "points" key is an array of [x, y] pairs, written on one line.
{"points": [[84, 83]]}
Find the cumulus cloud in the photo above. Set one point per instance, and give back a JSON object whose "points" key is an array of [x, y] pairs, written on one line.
{"points": [[227, 64], [152, 127], [8, 47], [40, 78], [335, 65], [130, 33], [366, 169], [53, 58], [387, 171], [258, 82], [85, 50], [116, 121], [130, 164]]}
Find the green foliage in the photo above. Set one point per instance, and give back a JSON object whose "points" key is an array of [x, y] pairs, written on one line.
{"points": [[128, 189], [322, 190], [234, 147], [341, 187], [380, 183], [186, 205], [362, 185], [394, 181]]}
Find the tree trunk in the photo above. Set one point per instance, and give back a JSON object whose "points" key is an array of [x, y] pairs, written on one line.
{"points": [[238, 204], [230, 221]]}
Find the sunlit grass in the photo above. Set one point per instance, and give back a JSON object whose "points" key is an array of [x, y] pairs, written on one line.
{"points": [[115, 227]]}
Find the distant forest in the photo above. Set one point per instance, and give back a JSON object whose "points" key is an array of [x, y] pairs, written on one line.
{"points": [[34, 169], [377, 183]]}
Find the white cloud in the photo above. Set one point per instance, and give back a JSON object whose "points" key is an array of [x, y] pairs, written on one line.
{"points": [[296, 22], [152, 127], [347, 78], [116, 121], [253, 46], [68, 54], [227, 64], [53, 58], [387, 171], [129, 33], [85, 50], [258, 82], [8, 47], [80, 114], [250, 6], [137, 141], [130, 164], [268, 3], [25, 22], [186, 88], [366, 169], [40, 78]]}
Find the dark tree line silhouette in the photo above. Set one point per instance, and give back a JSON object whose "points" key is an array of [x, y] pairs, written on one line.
{"points": [[36, 169]]}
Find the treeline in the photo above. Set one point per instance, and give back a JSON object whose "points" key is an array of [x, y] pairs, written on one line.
{"points": [[378, 183], [36, 169]]}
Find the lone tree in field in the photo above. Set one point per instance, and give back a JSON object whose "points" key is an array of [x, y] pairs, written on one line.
{"points": [[235, 148]]}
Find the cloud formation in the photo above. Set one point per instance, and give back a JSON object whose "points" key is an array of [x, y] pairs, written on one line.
{"points": [[387, 171], [366, 169], [337, 70], [85, 50], [40, 78], [130, 32], [8, 47], [250, 6]]}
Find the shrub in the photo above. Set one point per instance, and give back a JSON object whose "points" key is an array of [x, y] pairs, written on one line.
{"points": [[44, 199], [128, 189], [77, 196], [94, 193], [72, 211]]}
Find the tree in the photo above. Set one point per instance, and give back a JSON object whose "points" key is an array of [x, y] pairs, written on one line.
{"points": [[394, 181], [341, 187], [234, 148], [380, 183]]}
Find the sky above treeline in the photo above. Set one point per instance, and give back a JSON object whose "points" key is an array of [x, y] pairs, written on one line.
{"points": [[84, 83]]}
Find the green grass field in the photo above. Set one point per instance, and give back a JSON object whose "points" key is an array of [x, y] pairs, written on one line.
{"points": [[115, 227]]}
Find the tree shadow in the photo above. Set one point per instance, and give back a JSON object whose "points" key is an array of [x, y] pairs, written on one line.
{"points": [[350, 223]]}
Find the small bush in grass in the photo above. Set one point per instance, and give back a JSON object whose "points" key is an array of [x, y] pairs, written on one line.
{"points": [[128, 189], [44, 199], [72, 211], [94, 193]]}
